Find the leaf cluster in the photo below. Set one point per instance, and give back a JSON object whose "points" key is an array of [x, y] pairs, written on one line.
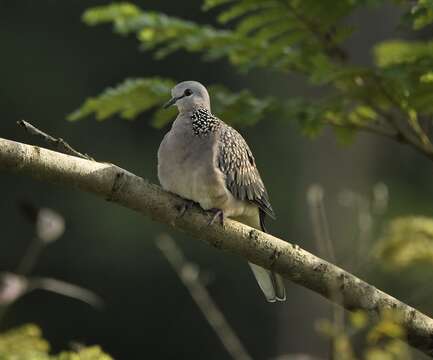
{"points": [[26, 343], [381, 338], [406, 241], [392, 98]]}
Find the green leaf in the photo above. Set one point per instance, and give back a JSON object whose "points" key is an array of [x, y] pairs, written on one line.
{"points": [[135, 96], [282, 36], [209, 4], [115, 12], [308, 115], [128, 99], [268, 33], [406, 241], [241, 8], [87, 353], [426, 77], [421, 99], [259, 20], [395, 52], [239, 109], [23, 343], [422, 14], [26, 343]]}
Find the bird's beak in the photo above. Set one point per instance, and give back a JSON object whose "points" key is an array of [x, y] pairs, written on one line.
{"points": [[172, 101]]}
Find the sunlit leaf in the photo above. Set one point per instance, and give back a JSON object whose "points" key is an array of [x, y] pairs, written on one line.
{"points": [[128, 99], [406, 241], [422, 13], [427, 77], [116, 12], [395, 52], [26, 343]]}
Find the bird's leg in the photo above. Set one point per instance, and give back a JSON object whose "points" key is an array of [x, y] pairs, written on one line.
{"points": [[218, 214], [186, 205]]}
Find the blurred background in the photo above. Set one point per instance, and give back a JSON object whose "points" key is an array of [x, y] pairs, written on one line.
{"points": [[50, 62]]}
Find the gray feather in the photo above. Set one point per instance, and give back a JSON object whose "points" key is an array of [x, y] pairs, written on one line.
{"points": [[236, 161], [205, 160]]}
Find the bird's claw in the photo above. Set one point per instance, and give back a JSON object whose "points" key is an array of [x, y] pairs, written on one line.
{"points": [[186, 205], [218, 214]]}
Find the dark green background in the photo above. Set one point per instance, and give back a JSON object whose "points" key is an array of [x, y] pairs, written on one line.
{"points": [[49, 63]]}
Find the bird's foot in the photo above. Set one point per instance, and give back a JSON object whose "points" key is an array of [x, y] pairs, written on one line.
{"points": [[217, 214], [186, 206]]}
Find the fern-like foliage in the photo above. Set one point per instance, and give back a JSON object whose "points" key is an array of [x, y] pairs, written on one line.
{"points": [[272, 33], [306, 37], [166, 34], [135, 96], [291, 31], [128, 99], [407, 69], [26, 343]]}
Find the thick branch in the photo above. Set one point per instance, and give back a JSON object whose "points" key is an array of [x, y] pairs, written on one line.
{"points": [[120, 186]]}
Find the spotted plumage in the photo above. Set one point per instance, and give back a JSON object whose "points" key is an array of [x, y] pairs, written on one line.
{"points": [[203, 122], [205, 160], [236, 161]]}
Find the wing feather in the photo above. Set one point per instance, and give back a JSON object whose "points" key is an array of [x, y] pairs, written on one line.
{"points": [[236, 161]]}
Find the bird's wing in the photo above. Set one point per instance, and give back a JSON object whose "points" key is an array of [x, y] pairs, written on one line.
{"points": [[237, 163]]}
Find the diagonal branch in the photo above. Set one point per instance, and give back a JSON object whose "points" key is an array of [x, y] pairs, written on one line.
{"points": [[188, 273], [124, 188], [57, 143]]}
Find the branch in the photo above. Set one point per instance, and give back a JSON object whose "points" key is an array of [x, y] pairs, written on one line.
{"points": [[124, 188], [189, 275], [397, 134], [325, 39], [57, 143], [420, 141]]}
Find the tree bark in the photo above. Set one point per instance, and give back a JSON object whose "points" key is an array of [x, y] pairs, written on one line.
{"points": [[120, 186]]}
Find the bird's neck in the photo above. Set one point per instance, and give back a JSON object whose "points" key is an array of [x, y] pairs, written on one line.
{"points": [[202, 121]]}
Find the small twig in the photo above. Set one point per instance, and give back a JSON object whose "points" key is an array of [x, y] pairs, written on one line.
{"points": [[57, 143], [367, 128], [66, 289], [325, 247], [399, 135], [188, 274], [49, 226], [320, 223], [30, 257], [365, 226], [420, 142]]}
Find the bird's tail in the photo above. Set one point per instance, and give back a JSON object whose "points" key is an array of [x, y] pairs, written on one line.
{"points": [[270, 283]]}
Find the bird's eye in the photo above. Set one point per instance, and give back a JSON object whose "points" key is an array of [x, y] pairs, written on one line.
{"points": [[188, 92]]}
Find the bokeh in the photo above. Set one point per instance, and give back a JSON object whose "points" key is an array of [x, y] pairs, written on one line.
{"points": [[50, 62]]}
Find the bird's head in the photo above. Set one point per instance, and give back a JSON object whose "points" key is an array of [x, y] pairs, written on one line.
{"points": [[189, 95]]}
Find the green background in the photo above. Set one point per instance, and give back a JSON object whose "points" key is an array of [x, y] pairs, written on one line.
{"points": [[49, 63]]}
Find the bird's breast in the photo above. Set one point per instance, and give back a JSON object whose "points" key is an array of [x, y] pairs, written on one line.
{"points": [[186, 167]]}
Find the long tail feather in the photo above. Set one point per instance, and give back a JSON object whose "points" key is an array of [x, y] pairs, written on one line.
{"points": [[270, 283]]}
